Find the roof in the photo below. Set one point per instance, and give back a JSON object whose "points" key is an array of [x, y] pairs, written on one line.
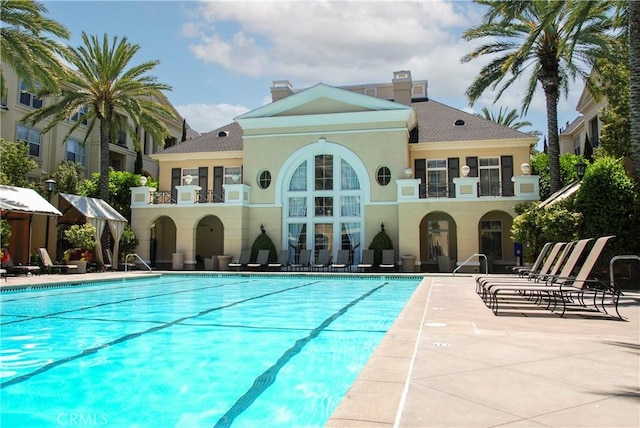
{"points": [[75, 207], [19, 202], [561, 194], [223, 139], [436, 122]]}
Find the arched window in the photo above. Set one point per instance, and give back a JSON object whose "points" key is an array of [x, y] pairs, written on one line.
{"points": [[323, 200]]}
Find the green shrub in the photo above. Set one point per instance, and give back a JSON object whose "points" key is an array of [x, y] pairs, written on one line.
{"points": [[380, 242], [128, 241], [5, 232], [263, 242]]}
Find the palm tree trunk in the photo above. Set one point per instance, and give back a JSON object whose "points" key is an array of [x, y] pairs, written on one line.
{"points": [[634, 85], [551, 96], [105, 137]]}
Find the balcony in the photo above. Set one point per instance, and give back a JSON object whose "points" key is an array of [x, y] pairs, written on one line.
{"points": [[522, 187], [233, 194]]}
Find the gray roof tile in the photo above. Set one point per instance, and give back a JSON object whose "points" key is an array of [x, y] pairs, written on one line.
{"points": [[224, 139]]}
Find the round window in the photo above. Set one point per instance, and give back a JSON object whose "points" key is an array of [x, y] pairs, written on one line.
{"points": [[383, 175], [264, 179]]}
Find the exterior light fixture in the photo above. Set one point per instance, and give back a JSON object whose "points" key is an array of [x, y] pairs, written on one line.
{"points": [[188, 179], [408, 171], [143, 181], [580, 167], [525, 168], [465, 170]]}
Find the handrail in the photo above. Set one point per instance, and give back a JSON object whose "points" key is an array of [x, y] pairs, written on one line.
{"points": [[616, 258], [126, 264], [486, 265]]}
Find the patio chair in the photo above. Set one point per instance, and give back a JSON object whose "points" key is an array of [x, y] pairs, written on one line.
{"points": [[551, 266], [388, 261], [523, 270], [304, 260], [261, 260], [367, 260], [49, 267], [3, 273], [12, 269], [323, 260], [562, 288], [282, 262], [240, 263], [342, 263]]}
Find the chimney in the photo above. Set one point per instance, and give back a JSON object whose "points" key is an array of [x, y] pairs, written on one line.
{"points": [[280, 89], [402, 87]]}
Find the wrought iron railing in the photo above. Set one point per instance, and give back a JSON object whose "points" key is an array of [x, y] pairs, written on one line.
{"points": [[204, 197], [437, 190]]}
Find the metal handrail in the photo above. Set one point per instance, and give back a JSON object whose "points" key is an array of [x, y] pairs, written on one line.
{"points": [[126, 264], [486, 264], [616, 258]]}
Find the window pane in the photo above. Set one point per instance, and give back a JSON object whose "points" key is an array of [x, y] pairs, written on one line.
{"points": [[298, 207], [324, 172], [348, 176], [299, 178], [324, 206], [350, 206], [383, 176]]}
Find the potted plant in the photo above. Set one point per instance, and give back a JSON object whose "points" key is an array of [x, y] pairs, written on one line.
{"points": [[82, 241], [382, 241]]}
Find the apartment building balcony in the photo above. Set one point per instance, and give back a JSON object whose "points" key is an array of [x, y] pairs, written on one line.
{"points": [[234, 194]]}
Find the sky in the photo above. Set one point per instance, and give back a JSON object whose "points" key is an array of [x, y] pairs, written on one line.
{"points": [[222, 57]]}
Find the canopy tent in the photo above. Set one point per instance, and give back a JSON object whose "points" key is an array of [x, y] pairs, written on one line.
{"points": [[19, 203], [562, 194], [76, 209]]}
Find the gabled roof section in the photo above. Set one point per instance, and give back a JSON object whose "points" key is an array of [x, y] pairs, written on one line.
{"points": [[322, 99], [440, 123], [224, 139]]}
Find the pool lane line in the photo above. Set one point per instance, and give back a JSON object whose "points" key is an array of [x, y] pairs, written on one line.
{"points": [[115, 302], [95, 287], [130, 336], [268, 377]]}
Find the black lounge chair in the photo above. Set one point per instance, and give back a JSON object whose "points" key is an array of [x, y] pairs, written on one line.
{"points": [[261, 260], [12, 269], [304, 259], [367, 260], [342, 263], [282, 262], [241, 263], [49, 267], [388, 261], [323, 260]]}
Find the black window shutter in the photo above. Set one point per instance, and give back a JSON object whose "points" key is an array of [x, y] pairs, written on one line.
{"points": [[453, 165], [203, 177], [176, 178], [420, 167], [218, 178], [506, 164]]}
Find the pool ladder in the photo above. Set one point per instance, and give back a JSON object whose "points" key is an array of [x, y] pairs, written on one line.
{"points": [[126, 264], [479, 255]]}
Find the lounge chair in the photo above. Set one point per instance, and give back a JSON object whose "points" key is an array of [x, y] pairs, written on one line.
{"points": [[3, 273], [282, 262], [551, 265], [49, 267], [304, 259], [342, 263], [563, 288], [12, 269], [388, 261], [323, 260], [261, 260], [245, 257], [523, 270], [367, 260]]}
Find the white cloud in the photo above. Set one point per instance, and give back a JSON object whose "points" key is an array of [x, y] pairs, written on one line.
{"points": [[207, 117]]}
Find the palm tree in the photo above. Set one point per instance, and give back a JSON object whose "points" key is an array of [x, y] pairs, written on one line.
{"points": [[553, 41], [508, 118], [107, 92], [634, 85], [24, 43]]}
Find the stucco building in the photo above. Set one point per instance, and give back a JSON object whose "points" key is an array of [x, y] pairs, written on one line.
{"points": [[324, 167]]}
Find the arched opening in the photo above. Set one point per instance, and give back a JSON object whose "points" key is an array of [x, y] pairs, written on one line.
{"points": [[209, 239], [438, 242], [495, 240], [162, 242], [323, 187]]}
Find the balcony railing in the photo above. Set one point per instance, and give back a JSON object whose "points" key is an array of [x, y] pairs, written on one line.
{"points": [[490, 188], [437, 191], [204, 197]]}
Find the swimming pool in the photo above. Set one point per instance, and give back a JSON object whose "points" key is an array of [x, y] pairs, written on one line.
{"points": [[191, 351]]}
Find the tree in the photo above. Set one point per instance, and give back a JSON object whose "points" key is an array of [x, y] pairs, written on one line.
{"points": [[552, 41], [540, 166], [16, 164], [634, 85], [25, 45], [109, 92], [120, 184], [184, 130], [68, 177], [508, 118]]}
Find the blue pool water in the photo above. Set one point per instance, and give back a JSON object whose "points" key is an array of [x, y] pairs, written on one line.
{"points": [[190, 351]]}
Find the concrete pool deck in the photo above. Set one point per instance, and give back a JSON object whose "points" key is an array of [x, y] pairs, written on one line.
{"points": [[448, 361]]}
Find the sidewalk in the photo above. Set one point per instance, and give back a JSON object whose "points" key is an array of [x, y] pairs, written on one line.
{"points": [[449, 362]]}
